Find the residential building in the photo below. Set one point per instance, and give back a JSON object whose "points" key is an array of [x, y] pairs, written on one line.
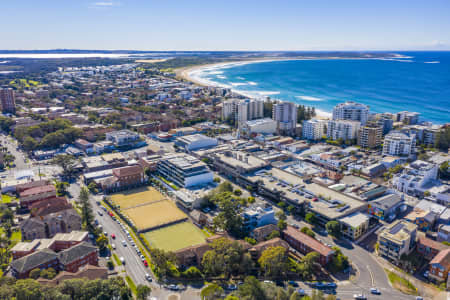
{"points": [[73, 258], [89, 272], [257, 217], [386, 207], [399, 144], [260, 233], [370, 135], [415, 177], [35, 194], [429, 248], [424, 219], [397, 239], [42, 259], [386, 122], [184, 170], [354, 225], [195, 142], [440, 266], [443, 234], [409, 118], [242, 110], [313, 129], [7, 100], [305, 244], [351, 111], [258, 249], [263, 126], [123, 138], [128, 177], [342, 129], [285, 114]]}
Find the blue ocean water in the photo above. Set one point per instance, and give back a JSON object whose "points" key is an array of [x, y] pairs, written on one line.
{"points": [[418, 81]]}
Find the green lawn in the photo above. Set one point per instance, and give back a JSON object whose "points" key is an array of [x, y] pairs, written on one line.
{"points": [[131, 284], [401, 284], [175, 237], [116, 259]]}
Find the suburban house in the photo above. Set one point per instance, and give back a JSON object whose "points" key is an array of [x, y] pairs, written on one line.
{"points": [[305, 244], [440, 266]]}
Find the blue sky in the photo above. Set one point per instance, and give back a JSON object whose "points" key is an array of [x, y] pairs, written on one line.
{"points": [[226, 24]]}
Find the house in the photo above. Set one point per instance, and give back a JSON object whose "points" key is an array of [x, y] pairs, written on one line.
{"points": [[440, 266], [45, 227], [260, 233], [123, 138], [199, 218], [35, 194], [306, 244], [397, 239], [429, 248]]}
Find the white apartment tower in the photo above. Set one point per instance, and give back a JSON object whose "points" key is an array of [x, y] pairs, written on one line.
{"points": [[285, 113], [342, 129], [313, 129], [399, 144], [242, 110], [351, 111]]}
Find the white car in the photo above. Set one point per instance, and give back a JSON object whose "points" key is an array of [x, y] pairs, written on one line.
{"points": [[375, 291], [113, 246], [124, 243], [148, 277], [359, 297], [122, 260]]}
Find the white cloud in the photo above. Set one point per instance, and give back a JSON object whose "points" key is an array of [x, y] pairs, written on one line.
{"points": [[104, 4]]}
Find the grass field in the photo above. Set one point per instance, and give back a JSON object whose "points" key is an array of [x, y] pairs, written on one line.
{"points": [[7, 199], [135, 197], [401, 284], [154, 214], [175, 237]]}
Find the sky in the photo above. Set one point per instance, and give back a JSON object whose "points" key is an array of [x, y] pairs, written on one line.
{"points": [[225, 24]]}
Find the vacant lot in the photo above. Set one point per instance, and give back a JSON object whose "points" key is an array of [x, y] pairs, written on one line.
{"points": [[153, 215], [132, 198], [175, 237]]}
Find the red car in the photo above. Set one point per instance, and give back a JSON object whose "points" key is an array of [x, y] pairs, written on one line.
{"points": [[110, 214], [113, 236], [145, 263]]}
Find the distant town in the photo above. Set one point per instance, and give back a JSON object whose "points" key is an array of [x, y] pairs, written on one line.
{"points": [[132, 181]]}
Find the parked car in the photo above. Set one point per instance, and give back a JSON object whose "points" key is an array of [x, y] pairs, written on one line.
{"points": [[145, 263], [100, 213], [375, 291], [124, 243], [113, 246], [122, 260], [148, 277], [359, 297]]}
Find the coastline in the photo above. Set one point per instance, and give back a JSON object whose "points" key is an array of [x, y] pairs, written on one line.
{"points": [[187, 74]]}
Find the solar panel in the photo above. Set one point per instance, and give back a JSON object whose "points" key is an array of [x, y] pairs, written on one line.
{"points": [[397, 227]]}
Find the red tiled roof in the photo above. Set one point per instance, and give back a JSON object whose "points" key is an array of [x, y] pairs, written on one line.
{"points": [[442, 258], [312, 243], [431, 244], [37, 190]]}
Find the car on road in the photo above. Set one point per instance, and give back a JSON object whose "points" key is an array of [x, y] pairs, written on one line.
{"points": [[113, 236], [359, 297], [100, 213], [142, 257], [375, 291], [145, 263], [419, 298], [113, 246], [148, 277], [330, 285], [124, 243], [105, 233], [172, 287], [122, 260]]}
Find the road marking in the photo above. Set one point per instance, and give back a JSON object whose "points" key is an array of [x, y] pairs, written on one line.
{"points": [[371, 275]]}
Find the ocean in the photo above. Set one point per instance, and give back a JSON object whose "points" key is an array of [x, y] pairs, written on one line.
{"points": [[413, 81]]}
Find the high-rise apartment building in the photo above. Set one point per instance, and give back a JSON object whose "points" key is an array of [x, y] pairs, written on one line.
{"points": [[342, 129], [242, 110], [313, 129], [370, 135], [397, 143], [285, 114], [351, 111], [7, 100]]}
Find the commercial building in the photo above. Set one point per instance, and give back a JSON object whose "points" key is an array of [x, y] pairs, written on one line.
{"points": [[415, 177], [386, 207], [351, 111], [313, 129], [122, 138], [354, 225], [285, 114], [343, 129], [264, 126], [399, 144], [305, 244], [397, 239], [370, 135], [7, 100], [195, 142], [184, 170], [257, 217]]}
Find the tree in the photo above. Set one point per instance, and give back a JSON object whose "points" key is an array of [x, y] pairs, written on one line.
{"points": [[339, 262], [310, 260], [273, 234], [310, 218], [282, 224], [110, 264], [274, 262], [211, 292], [250, 240], [49, 273], [93, 187], [308, 231], [231, 297], [35, 273], [102, 242], [251, 289], [87, 216], [295, 296], [444, 170], [229, 218], [142, 292], [192, 272], [67, 163], [333, 228], [237, 192], [164, 261], [61, 188], [27, 289]]}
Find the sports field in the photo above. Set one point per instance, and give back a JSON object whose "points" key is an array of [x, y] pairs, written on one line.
{"points": [[175, 237], [155, 214], [134, 197]]}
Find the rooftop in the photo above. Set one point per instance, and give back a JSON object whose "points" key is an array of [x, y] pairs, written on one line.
{"points": [[354, 220], [399, 231], [309, 241]]}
